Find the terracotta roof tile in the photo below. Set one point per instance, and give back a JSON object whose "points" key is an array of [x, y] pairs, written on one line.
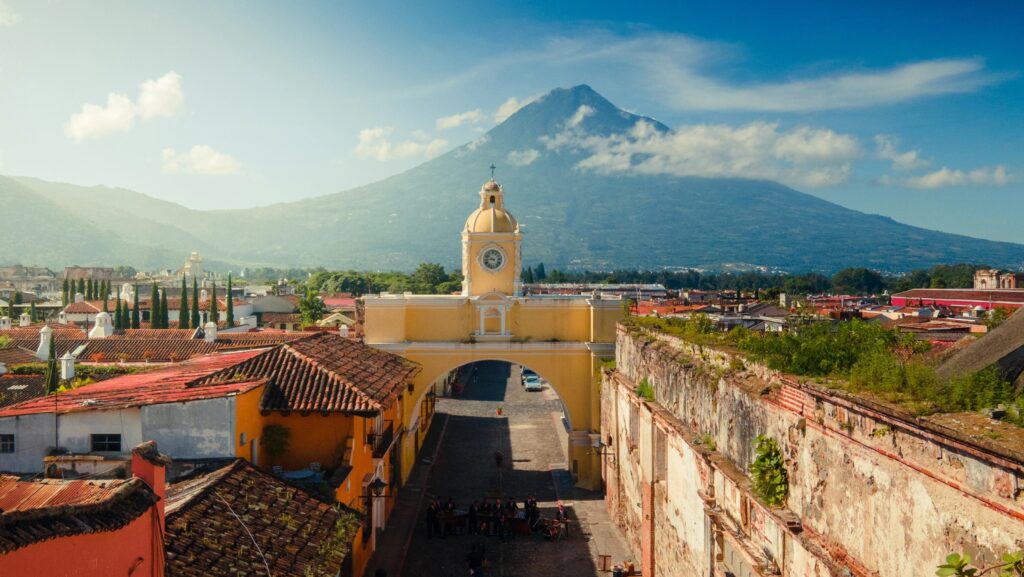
{"points": [[205, 538], [171, 384], [326, 373], [134, 350], [15, 389], [34, 511], [15, 355]]}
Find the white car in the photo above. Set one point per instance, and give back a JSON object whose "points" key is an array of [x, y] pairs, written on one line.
{"points": [[533, 383]]}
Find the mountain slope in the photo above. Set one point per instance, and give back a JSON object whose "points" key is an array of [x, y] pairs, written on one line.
{"points": [[570, 217]]}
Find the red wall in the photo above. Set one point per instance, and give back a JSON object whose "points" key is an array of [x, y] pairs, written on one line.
{"points": [[94, 554], [913, 302]]}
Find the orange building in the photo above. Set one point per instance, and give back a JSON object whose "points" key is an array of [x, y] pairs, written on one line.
{"points": [[83, 528]]}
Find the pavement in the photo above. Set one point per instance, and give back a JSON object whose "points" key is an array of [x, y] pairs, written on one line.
{"points": [[457, 461]]}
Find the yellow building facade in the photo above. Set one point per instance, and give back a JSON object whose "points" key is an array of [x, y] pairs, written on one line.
{"points": [[562, 338]]}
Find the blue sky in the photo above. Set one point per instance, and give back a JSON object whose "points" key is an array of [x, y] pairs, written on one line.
{"points": [[912, 111]]}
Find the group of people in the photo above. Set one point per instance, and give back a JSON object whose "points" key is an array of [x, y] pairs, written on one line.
{"points": [[497, 518]]}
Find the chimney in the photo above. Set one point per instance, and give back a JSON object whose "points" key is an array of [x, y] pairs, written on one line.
{"points": [[24, 320], [62, 318], [67, 367], [45, 334], [203, 295], [3, 369], [210, 331], [5, 323], [104, 326], [150, 465], [343, 331]]}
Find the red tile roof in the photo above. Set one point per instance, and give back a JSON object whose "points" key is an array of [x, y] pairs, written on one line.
{"points": [[338, 302], [132, 350], [995, 296], [281, 318], [325, 373], [171, 384], [15, 389], [32, 332], [34, 511], [14, 355], [212, 522], [154, 334], [89, 307]]}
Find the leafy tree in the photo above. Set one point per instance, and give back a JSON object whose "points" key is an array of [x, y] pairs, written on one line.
{"points": [[135, 308], [183, 306], [196, 322], [214, 315], [954, 275], [996, 317], [18, 299], [857, 281], [311, 308], [229, 307], [426, 278]]}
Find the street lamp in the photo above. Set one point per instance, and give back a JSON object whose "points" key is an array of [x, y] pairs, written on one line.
{"points": [[377, 487]]}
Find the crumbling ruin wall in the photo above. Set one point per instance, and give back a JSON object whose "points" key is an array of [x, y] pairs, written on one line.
{"points": [[872, 492]]}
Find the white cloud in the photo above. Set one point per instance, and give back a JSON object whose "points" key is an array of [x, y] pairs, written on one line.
{"points": [[162, 97], [688, 73], [96, 121], [200, 159], [581, 113], [7, 15], [802, 156], [990, 176], [888, 148], [456, 120], [509, 107], [376, 143], [157, 98], [523, 157]]}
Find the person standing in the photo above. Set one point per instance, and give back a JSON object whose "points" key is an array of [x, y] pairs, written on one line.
{"points": [[532, 512], [474, 521]]}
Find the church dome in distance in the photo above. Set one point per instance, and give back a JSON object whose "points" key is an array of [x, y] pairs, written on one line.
{"points": [[491, 216]]}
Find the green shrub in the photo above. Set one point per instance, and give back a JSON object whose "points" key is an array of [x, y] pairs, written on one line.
{"points": [[644, 390], [768, 472]]}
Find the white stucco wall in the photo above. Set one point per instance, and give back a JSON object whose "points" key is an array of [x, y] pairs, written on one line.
{"points": [[33, 434], [193, 430]]}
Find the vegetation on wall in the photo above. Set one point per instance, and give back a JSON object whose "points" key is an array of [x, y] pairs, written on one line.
{"points": [[956, 565], [645, 391], [333, 550], [768, 472], [860, 357]]}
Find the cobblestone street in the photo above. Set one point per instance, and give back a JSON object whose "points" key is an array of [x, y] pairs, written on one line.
{"points": [[532, 441]]}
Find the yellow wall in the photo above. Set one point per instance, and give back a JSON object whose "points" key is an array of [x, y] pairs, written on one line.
{"points": [[482, 280], [248, 420]]}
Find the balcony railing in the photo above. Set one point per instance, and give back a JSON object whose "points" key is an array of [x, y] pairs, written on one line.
{"points": [[381, 442]]}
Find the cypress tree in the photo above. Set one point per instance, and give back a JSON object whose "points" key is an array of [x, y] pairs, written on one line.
{"points": [[528, 276], [214, 315], [183, 306], [51, 379], [539, 273], [106, 295], [229, 308], [89, 292], [195, 304], [81, 287], [165, 321], [154, 308], [64, 294], [135, 308], [32, 311], [118, 316]]}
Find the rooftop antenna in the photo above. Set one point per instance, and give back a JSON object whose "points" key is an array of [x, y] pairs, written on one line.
{"points": [[492, 170]]}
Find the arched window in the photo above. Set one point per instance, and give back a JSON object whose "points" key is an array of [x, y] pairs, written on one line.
{"points": [[492, 199]]}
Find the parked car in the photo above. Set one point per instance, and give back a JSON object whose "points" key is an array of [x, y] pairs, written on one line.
{"points": [[527, 374], [533, 383]]}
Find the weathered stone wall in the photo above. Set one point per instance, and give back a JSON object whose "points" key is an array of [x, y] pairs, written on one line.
{"points": [[872, 492]]}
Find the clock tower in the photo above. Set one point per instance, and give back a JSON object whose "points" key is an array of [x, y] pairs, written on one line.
{"points": [[491, 261]]}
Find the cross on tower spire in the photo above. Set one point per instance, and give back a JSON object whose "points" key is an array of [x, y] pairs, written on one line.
{"points": [[492, 170]]}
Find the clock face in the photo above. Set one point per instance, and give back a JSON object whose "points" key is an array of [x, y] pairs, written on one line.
{"points": [[492, 259]]}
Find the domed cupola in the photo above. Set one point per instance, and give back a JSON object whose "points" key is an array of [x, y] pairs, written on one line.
{"points": [[491, 216]]}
